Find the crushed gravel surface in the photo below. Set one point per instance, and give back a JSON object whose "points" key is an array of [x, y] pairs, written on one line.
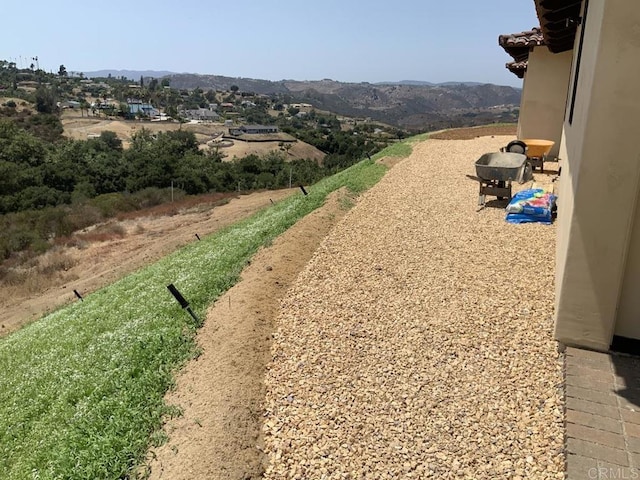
{"points": [[417, 342], [474, 132]]}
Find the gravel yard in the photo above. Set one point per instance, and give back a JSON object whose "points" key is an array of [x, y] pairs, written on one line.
{"points": [[417, 342]]}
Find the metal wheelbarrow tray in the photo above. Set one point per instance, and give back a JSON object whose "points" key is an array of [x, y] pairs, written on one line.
{"points": [[537, 151], [496, 171]]}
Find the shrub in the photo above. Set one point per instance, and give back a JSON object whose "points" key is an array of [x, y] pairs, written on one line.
{"points": [[103, 233], [53, 262], [110, 204]]}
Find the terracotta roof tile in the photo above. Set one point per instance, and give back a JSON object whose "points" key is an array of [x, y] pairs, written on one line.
{"points": [[518, 68], [518, 44], [530, 38]]}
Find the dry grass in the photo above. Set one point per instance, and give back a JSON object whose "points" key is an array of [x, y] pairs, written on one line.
{"points": [[475, 132], [186, 204], [55, 261], [38, 273], [103, 233]]}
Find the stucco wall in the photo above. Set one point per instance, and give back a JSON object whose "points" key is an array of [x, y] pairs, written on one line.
{"points": [[602, 170], [628, 321], [544, 95]]}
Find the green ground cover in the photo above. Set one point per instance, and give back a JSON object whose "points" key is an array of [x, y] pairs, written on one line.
{"points": [[81, 390]]}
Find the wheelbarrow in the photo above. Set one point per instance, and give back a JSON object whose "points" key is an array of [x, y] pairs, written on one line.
{"points": [[495, 172], [536, 150]]}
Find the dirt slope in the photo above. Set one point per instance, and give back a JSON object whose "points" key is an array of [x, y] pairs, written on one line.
{"points": [[222, 392], [145, 241]]}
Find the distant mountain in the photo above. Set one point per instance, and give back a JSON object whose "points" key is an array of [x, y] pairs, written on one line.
{"points": [[130, 74], [429, 84], [219, 82], [408, 82], [466, 84], [411, 106]]}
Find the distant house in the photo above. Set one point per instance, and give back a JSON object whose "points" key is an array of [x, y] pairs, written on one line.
{"points": [[253, 129], [227, 106], [69, 104], [137, 107], [202, 114]]}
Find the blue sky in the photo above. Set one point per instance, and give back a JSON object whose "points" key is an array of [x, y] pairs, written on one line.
{"points": [[345, 40]]}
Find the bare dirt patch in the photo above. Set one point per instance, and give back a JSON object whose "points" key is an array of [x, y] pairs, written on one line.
{"points": [[82, 126], [222, 392], [297, 150], [91, 264], [475, 132]]}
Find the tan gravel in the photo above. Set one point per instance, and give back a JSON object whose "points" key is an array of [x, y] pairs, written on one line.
{"points": [[417, 341]]}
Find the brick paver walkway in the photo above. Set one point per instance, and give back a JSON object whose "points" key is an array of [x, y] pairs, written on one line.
{"points": [[603, 415]]}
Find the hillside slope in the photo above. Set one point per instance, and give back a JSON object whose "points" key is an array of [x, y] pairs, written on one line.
{"points": [[411, 106]]}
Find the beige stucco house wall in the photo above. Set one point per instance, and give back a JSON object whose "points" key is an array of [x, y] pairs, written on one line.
{"points": [[544, 95], [598, 244]]}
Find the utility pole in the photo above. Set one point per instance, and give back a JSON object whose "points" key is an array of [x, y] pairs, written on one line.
{"points": [[290, 174]]}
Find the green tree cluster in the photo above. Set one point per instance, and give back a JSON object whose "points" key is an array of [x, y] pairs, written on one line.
{"points": [[48, 189], [35, 174]]}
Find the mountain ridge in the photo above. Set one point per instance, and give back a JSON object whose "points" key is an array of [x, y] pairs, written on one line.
{"points": [[136, 74], [408, 104]]}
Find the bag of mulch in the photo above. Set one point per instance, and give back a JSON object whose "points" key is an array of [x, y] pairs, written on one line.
{"points": [[533, 205]]}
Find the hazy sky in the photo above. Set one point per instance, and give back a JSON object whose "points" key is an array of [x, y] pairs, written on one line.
{"points": [[345, 40]]}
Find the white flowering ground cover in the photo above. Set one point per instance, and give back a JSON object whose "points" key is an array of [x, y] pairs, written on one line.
{"points": [[81, 390]]}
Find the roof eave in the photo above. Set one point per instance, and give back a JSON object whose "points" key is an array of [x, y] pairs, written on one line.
{"points": [[559, 20]]}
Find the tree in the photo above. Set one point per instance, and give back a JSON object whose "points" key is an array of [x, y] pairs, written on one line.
{"points": [[62, 71], [84, 105], [45, 100], [171, 111], [124, 110], [210, 96], [141, 81], [234, 88], [111, 140]]}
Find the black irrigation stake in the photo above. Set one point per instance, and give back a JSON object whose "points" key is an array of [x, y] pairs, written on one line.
{"points": [[197, 236], [78, 295], [271, 202], [182, 301], [303, 190]]}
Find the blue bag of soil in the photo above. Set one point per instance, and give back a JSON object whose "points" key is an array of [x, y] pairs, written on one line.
{"points": [[533, 205]]}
